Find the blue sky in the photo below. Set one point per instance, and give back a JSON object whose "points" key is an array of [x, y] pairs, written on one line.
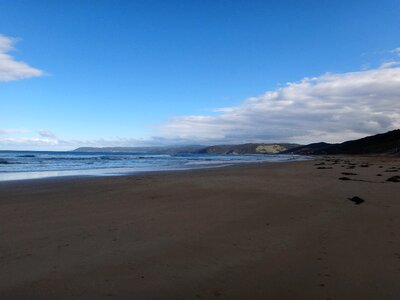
{"points": [[131, 73]]}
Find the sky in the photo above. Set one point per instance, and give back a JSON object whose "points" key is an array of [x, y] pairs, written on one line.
{"points": [[136, 73]]}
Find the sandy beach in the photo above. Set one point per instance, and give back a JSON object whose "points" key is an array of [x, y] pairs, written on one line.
{"points": [[262, 231]]}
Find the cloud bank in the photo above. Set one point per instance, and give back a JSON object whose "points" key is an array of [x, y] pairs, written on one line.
{"points": [[16, 138], [10, 69], [26, 139], [331, 107]]}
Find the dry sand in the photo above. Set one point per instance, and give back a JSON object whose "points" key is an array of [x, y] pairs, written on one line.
{"points": [[265, 231]]}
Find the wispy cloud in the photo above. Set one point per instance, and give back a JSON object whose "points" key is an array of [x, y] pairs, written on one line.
{"points": [[46, 134], [390, 64], [331, 107], [396, 51], [25, 139], [17, 138], [28, 142], [10, 69]]}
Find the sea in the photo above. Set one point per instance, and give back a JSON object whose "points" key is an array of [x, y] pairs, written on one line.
{"points": [[18, 165]]}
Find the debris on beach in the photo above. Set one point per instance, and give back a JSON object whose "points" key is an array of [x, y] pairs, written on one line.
{"points": [[357, 200], [394, 179]]}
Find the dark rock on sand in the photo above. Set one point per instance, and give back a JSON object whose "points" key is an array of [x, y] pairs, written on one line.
{"points": [[394, 179], [357, 200]]}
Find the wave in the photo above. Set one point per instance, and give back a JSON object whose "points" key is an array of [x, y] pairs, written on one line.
{"points": [[4, 162], [104, 163], [7, 162]]}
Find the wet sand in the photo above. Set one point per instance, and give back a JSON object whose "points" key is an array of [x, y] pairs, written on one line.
{"points": [[265, 231]]}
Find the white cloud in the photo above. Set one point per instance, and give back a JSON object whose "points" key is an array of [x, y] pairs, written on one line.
{"points": [[331, 107], [21, 141], [47, 134], [390, 64], [396, 51], [17, 138], [10, 69]]}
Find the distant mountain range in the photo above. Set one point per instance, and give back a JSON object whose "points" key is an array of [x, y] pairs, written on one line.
{"points": [[165, 150], [250, 148], [385, 143]]}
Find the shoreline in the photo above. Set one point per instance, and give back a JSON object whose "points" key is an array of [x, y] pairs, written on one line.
{"points": [[142, 173], [251, 231], [189, 170]]}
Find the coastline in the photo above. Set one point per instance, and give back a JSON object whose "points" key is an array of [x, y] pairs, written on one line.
{"points": [[88, 174], [252, 231], [20, 166]]}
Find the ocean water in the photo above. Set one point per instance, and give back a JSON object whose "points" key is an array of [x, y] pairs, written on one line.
{"points": [[16, 165]]}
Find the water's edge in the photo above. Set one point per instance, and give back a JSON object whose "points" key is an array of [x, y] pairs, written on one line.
{"points": [[22, 165]]}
